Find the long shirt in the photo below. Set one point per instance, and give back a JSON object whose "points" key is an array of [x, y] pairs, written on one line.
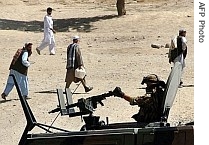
{"points": [[74, 57], [183, 45], [21, 64], [48, 25]]}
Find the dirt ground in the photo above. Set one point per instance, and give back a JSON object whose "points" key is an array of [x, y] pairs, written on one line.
{"points": [[116, 51]]}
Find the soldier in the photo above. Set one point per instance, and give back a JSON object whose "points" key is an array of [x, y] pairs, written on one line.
{"points": [[150, 104]]}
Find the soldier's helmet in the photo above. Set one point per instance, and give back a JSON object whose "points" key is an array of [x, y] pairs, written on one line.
{"points": [[152, 78]]}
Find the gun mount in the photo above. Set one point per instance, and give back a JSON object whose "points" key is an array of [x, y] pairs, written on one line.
{"points": [[85, 105]]}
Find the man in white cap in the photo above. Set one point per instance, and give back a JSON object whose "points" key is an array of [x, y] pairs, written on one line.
{"points": [[48, 34], [179, 52], [75, 61]]}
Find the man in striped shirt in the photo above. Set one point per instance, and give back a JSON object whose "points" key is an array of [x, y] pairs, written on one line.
{"points": [[75, 61]]}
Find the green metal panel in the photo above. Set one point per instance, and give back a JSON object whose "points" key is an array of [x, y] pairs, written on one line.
{"points": [[94, 137], [181, 135]]}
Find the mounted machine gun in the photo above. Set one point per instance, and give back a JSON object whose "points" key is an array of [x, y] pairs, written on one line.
{"points": [[86, 106]]}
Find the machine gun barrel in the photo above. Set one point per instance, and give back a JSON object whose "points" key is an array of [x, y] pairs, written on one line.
{"points": [[87, 105], [99, 98], [91, 101]]}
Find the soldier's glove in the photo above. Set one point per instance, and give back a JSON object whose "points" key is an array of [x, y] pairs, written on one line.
{"points": [[117, 92]]}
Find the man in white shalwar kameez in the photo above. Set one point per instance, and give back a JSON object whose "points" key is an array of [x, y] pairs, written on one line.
{"points": [[180, 50], [19, 68], [48, 34]]}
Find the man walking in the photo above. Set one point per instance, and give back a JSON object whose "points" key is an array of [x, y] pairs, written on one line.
{"points": [[48, 34], [75, 61], [178, 50], [19, 68]]}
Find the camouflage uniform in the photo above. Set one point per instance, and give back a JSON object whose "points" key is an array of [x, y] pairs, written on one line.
{"points": [[150, 107], [151, 103]]}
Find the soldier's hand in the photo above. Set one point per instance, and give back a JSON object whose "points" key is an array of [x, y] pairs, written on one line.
{"points": [[117, 92]]}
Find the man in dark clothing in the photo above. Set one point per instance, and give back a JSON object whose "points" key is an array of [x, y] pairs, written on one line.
{"points": [[75, 61], [19, 68], [151, 103]]}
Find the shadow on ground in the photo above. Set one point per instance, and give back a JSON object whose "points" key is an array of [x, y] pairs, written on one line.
{"points": [[55, 92], [8, 100], [60, 25], [48, 92]]}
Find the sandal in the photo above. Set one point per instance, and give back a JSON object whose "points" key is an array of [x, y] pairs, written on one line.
{"points": [[87, 89], [3, 95]]}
